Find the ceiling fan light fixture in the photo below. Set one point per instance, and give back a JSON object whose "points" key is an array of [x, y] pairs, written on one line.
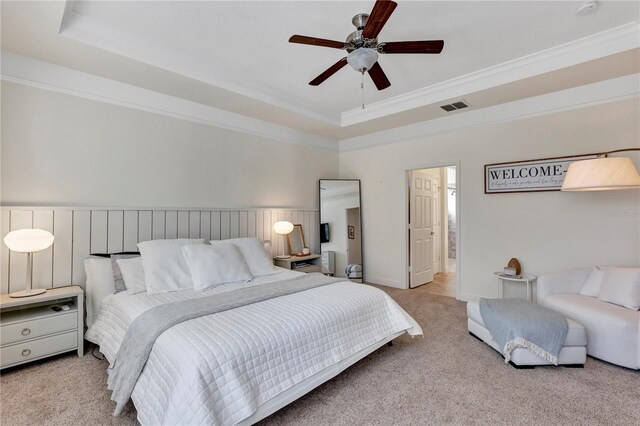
{"points": [[362, 59]]}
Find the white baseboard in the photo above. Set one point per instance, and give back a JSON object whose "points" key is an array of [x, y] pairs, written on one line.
{"points": [[384, 281]]}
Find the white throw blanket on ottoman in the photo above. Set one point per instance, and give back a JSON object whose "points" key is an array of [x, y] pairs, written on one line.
{"points": [[573, 352], [518, 323]]}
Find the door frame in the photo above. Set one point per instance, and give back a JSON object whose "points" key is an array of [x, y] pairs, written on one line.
{"points": [[407, 201]]}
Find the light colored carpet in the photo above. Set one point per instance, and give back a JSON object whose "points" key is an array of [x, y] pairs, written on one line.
{"points": [[447, 377]]}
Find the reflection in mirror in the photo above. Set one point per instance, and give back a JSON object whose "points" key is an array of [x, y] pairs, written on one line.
{"points": [[340, 228]]}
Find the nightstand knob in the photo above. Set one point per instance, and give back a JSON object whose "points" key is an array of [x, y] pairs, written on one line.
{"points": [[25, 331], [26, 352]]}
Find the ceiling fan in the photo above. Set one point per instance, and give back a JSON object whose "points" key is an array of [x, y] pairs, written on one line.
{"points": [[363, 46]]}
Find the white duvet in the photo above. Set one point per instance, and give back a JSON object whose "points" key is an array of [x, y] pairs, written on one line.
{"points": [[220, 368]]}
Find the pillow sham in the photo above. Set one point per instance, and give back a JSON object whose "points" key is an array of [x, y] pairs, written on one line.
{"points": [[214, 265], [621, 286], [133, 274], [118, 281], [591, 287], [254, 254], [165, 269], [99, 284]]}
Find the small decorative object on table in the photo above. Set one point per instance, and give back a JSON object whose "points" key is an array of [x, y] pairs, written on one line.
{"points": [[513, 263]]}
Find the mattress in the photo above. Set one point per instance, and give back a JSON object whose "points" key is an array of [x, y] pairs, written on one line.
{"points": [[219, 369]]}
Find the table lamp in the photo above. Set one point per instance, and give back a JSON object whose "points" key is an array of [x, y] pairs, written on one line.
{"points": [[283, 228], [28, 241]]}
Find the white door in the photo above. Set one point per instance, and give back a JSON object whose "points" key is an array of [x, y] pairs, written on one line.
{"points": [[420, 229], [436, 220]]}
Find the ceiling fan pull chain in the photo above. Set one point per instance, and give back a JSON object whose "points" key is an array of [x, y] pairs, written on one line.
{"points": [[362, 86]]}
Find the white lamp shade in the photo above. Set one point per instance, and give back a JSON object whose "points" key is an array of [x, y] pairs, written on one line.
{"points": [[283, 227], [601, 174], [362, 59], [28, 240]]}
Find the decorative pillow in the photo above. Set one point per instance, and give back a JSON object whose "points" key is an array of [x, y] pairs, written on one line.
{"points": [[591, 287], [621, 286], [132, 274], [267, 250], [99, 284], [252, 250], [118, 281], [215, 265], [165, 269]]}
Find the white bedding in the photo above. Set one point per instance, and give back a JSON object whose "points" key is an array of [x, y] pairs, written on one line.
{"points": [[220, 368]]}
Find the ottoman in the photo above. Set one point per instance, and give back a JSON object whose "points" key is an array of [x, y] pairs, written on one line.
{"points": [[572, 354]]}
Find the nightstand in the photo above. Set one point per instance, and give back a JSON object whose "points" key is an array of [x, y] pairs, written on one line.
{"points": [[522, 279], [308, 263], [30, 329]]}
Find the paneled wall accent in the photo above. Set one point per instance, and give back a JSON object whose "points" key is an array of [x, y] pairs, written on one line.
{"points": [[81, 231]]}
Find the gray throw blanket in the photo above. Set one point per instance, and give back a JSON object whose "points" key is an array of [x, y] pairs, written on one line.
{"points": [[518, 323], [146, 328]]}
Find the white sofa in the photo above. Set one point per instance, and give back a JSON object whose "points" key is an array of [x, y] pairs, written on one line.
{"points": [[613, 332]]}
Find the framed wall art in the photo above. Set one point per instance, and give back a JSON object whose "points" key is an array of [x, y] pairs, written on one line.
{"points": [[545, 174]]}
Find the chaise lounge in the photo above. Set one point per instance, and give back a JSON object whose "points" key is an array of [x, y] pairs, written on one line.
{"points": [[613, 331]]}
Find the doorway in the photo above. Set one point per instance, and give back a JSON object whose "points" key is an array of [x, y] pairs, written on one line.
{"points": [[432, 229]]}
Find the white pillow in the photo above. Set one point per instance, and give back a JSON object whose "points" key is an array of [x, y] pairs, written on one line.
{"points": [[132, 274], [215, 265], [99, 284], [592, 286], [165, 269], [254, 254], [621, 286]]}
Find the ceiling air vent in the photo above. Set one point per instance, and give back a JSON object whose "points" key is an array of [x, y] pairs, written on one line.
{"points": [[454, 106]]}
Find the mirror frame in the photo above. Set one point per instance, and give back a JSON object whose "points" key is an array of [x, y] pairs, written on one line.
{"points": [[296, 228], [361, 224]]}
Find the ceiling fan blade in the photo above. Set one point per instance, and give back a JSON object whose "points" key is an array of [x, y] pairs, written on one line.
{"points": [[426, 46], [379, 77], [314, 41], [329, 72], [381, 12]]}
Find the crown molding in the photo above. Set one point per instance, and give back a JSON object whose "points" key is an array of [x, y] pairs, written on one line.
{"points": [[32, 72], [607, 91], [87, 31], [605, 43]]}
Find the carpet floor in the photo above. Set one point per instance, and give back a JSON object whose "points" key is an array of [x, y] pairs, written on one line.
{"points": [[447, 377]]}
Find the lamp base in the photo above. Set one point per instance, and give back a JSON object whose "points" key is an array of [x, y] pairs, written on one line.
{"points": [[28, 293], [283, 256]]}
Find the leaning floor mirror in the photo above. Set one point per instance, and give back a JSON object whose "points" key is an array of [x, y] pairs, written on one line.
{"points": [[340, 228]]}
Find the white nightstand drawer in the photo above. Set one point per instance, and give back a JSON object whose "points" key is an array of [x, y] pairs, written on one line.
{"points": [[26, 330], [22, 352]]}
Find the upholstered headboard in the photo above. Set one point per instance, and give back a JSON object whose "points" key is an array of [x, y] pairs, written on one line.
{"points": [[81, 231]]}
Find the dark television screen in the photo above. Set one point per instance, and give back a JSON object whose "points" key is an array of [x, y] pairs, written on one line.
{"points": [[324, 233]]}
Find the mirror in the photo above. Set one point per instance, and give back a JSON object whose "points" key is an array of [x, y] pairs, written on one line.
{"points": [[340, 228], [296, 240]]}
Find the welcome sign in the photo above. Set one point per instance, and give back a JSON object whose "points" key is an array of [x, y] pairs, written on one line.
{"points": [[545, 174]]}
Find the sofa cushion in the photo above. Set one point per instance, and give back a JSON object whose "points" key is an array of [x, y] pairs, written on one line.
{"points": [[592, 310], [592, 286], [612, 331], [576, 335], [622, 287]]}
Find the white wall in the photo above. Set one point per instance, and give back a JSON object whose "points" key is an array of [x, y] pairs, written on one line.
{"points": [[59, 149], [545, 231]]}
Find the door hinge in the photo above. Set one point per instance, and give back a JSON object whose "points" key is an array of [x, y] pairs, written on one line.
{"points": [[409, 268]]}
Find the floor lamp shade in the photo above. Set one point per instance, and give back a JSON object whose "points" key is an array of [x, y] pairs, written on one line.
{"points": [[28, 241], [601, 174]]}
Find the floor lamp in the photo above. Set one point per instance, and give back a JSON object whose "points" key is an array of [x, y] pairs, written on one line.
{"points": [[28, 241]]}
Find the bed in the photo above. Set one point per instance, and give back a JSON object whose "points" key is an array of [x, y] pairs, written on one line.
{"points": [[241, 365]]}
